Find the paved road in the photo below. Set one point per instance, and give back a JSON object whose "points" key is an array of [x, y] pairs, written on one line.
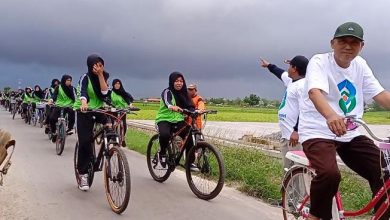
{"points": [[41, 185]]}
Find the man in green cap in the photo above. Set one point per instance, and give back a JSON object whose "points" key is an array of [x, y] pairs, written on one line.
{"points": [[338, 83]]}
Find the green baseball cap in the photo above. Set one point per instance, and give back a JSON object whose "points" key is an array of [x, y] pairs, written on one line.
{"points": [[349, 29]]}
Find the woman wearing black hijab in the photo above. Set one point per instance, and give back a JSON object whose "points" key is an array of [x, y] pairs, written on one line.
{"points": [[92, 92], [63, 97], [121, 99], [48, 96], [174, 99]]}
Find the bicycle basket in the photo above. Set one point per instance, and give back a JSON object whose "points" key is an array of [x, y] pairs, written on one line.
{"points": [[385, 150], [41, 105]]}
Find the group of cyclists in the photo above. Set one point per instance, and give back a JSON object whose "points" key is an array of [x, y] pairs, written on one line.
{"points": [[91, 93]]}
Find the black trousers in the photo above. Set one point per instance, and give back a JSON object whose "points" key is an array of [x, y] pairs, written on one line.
{"points": [[55, 114], [48, 113], [85, 123], [166, 129]]}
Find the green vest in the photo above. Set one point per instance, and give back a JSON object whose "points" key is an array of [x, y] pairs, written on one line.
{"points": [[62, 99], [118, 101], [94, 101], [164, 114], [35, 99], [26, 99]]}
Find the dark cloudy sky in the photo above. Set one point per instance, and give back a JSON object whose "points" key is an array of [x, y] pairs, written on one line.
{"points": [[215, 43]]}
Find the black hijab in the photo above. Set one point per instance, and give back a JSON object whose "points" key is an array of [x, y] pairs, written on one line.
{"points": [[92, 60], [182, 98], [29, 94], [69, 91], [53, 85], [122, 92], [40, 94]]}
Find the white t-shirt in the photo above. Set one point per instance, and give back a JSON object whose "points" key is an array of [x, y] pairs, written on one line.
{"points": [[289, 108], [345, 90]]}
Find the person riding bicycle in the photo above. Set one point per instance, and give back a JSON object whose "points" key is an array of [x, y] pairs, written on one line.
{"points": [[198, 103], [63, 97], [27, 99], [37, 96], [48, 96], [91, 93], [169, 118], [121, 99], [338, 84]]}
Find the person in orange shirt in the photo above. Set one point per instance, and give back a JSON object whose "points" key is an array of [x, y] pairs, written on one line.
{"points": [[198, 102]]}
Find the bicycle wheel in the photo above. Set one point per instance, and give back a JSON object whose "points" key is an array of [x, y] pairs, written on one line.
{"points": [[34, 118], [295, 194], [117, 180], [61, 136], [41, 118], [158, 173], [91, 172], [14, 110], [208, 182]]}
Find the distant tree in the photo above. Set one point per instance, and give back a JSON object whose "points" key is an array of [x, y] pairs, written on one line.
{"points": [[7, 89], [252, 100]]}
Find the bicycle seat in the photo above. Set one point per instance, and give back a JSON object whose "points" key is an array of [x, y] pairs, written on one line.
{"points": [[298, 156]]}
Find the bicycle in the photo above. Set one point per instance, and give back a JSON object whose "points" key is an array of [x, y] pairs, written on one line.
{"points": [[39, 114], [208, 159], [296, 202], [61, 125], [17, 108], [29, 114], [110, 157]]}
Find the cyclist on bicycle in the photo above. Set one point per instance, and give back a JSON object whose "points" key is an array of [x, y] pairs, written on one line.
{"points": [[63, 97], [121, 99], [91, 93], [169, 118], [48, 96], [338, 83], [37, 96], [198, 103], [27, 99]]}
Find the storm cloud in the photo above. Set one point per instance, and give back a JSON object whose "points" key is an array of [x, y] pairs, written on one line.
{"points": [[215, 43]]}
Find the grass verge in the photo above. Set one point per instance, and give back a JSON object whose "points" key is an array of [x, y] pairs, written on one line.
{"points": [[258, 175]]}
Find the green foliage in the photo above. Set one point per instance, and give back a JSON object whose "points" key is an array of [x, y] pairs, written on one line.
{"points": [[252, 100]]}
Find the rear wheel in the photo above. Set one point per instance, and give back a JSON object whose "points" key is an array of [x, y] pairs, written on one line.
{"points": [[295, 194], [117, 180], [159, 173], [61, 136], [207, 181], [41, 118]]}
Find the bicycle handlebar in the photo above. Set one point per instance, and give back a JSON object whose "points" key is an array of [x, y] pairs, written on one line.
{"points": [[353, 122], [196, 113]]}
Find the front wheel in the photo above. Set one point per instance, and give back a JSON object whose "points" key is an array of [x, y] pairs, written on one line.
{"points": [[295, 193], [61, 136], [207, 181], [117, 180], [158, 173]]}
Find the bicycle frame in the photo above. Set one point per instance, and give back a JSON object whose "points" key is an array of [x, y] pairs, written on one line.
{"points": [[193, 131]]}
